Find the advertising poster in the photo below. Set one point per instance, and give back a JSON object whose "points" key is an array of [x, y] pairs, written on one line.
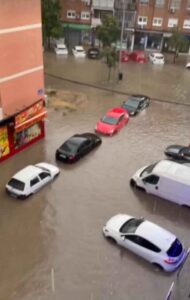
{"points": [[4, 142]]}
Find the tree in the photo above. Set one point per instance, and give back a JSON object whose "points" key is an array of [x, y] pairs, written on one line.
{"points": [[51, 24], [177, 42], [108, 32], [110, 55]]}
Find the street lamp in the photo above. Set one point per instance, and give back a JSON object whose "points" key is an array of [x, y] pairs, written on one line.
{"points": [[120, 74]]}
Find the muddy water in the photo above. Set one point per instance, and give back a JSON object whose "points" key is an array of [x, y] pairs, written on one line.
{"points": [[52, 245]]}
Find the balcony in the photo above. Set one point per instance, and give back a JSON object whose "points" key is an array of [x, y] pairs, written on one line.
{"points": [[96, 22], [103, 4]]}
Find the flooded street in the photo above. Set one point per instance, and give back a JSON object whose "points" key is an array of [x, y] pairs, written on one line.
{"points": [[52, 245]]}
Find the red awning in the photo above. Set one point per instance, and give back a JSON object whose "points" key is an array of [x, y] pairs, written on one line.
{"points": [[31, 121]]}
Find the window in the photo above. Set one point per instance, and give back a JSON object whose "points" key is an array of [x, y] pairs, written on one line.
{"points": [[152, 179], [71, 14], [16, 184], [44, 175], [160, 3], [175, 4], [34, 181], [175, 249], [157, 22], [172, 22], [142, 242], [144, 2], [186, 24], [120, 118], [85, 15], [142, 20], [131, 225]]}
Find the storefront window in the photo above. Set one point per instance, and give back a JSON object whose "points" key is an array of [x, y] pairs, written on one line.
{"points": [[27, 135], [4, 142]]}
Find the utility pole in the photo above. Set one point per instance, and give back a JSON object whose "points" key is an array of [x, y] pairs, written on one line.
{"points": [[120, 74]]}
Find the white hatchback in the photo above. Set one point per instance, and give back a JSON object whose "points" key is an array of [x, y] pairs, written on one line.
{"points": [[78, 51], [146, 239], [61, 49], [157, 58], [31, 179]]}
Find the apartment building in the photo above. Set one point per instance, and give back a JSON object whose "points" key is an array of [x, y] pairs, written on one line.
{"points": [[21, 76], [155, 20], [76, 18]]}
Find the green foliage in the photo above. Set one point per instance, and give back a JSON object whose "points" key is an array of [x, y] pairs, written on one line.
{"points": [[108, 32], [51, 24], [177, 42]]}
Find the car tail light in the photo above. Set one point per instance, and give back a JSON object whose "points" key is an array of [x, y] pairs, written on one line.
{"points": [[170, 261], [71, 157]]}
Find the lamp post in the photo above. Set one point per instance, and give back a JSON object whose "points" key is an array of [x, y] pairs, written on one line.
{"points": [[120, 74]]}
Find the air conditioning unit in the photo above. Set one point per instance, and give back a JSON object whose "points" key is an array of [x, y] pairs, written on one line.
{"points": [[172, 10]]}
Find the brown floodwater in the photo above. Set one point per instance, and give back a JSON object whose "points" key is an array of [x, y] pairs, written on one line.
{"points": [[52, 245]]}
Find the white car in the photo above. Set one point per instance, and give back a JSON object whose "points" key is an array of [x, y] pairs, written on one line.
{"points": [[61, 49], [188, 65], [146, 239], [157, 58], [78, 51], [31, 179]]}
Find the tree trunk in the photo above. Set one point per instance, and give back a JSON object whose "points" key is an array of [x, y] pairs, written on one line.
{"points": [[109, 73]]}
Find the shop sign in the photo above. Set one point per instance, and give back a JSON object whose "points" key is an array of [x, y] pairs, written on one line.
{"points": [[4, 142], [28, 114]]}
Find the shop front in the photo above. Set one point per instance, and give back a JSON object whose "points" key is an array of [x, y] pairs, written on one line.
{"points": [[22, 130]]}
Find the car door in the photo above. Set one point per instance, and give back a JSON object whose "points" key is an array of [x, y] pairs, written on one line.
{"points": [[45, 177], [151, 183], [85, 148], [35, 184]]}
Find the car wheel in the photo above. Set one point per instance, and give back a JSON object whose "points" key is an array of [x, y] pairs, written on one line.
{"points": [[158, 267], [133, 183], [111, 240]]}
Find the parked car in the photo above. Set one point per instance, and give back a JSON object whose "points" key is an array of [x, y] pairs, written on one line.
{"points": [[113, 120], [166, 179], [123, 55], [138, 56], [31, 179], [93, 52], [178, 152], [135, 104], [78, 51], [61, 49], [77, 146], [157, 58], [146, 239]]}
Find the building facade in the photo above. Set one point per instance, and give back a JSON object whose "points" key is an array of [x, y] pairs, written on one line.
{"points": [[21, 76], [76, 19], [155, 20]]}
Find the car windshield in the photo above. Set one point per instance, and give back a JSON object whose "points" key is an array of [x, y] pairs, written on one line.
{"points": [[148, 170], [131, 225], [109, 120], [132, 102], [16, 184], [71, 146], [175, 249]]}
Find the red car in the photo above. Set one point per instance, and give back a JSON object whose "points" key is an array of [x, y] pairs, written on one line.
{"points": [[124, 56], [138, 56], [113, 120]]}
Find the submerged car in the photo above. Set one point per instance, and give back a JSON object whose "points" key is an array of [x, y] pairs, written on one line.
{"points": [[188, 65], [93, 53], [78, 51], [135, 104], [61, 49], [138, 56], [77, 146], [157, 58], [178, 152], [113, 121], [123, 55], [146, 239], [31, 179]]}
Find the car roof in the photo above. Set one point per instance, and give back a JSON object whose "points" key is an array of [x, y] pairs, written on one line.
{"points": [[79, 48], [155, 234], [173, 170], [115, 112], [26, 173]]}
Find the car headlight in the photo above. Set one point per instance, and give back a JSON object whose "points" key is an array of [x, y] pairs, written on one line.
{"points": [[132, 113]]}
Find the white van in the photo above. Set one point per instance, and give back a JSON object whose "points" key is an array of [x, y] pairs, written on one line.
{"points": [[166, 179]]}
